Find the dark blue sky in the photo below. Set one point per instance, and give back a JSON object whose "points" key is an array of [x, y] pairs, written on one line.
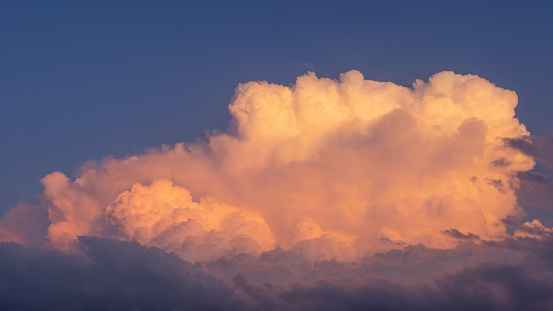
{"points": [[82, 80]]}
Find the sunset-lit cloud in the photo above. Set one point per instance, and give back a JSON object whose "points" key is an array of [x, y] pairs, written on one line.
{"points": [[343, 168], [339, 186]]}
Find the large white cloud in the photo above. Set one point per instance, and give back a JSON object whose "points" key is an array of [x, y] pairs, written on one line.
{"points": [[335, 168], [326, 194]]}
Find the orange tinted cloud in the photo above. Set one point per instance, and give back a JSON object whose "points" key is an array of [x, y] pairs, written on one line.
{"points": [[332, 168]]}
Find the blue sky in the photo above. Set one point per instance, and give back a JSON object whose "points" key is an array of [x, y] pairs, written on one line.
{"points": [[85, 80], [372, 213]]}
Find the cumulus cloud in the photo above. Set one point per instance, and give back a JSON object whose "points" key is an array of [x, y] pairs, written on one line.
{"points": [[336, 194], [165, 216], [533, 229], [352, 162]]}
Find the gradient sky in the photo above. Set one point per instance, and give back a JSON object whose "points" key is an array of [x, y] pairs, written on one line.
{"points": [[86, 80], [331, 189]]}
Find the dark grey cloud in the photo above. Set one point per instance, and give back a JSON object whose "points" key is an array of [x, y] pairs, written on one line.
{"points": [[497, 183], [107, 275], [538, 147], [501, 162], [535, 189], [515, 274], [478, 278], [523, 145], [454, 233]]}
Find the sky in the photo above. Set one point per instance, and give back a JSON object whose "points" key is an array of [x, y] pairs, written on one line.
{"points": [[283, 155], [84, 81]]}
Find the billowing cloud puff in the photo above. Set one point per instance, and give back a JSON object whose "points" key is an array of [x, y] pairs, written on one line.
{"points": [[326, 194], [165, 216], [337, 168]]}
